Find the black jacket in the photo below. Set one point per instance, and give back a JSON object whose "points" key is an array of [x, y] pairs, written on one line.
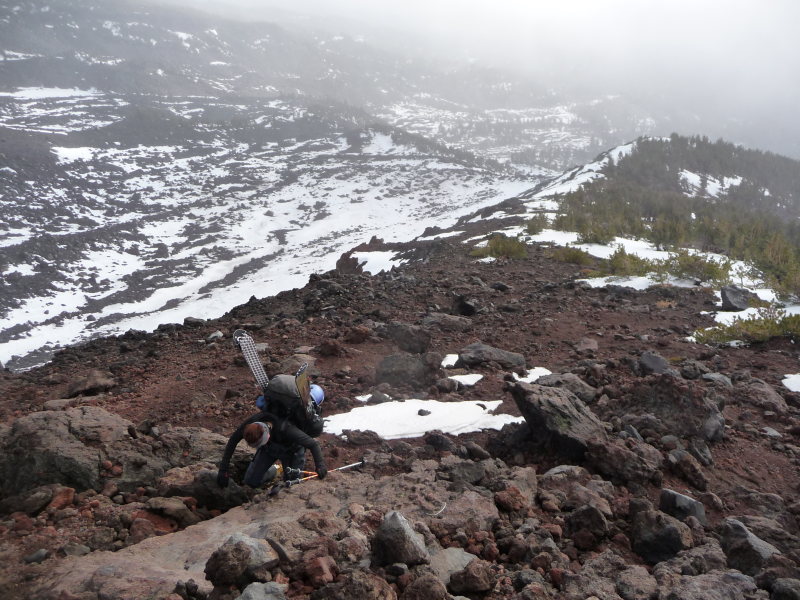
{"points": [[283, 432]]}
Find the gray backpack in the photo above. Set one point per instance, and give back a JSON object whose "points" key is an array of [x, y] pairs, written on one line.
{"points": [[285, 400]]}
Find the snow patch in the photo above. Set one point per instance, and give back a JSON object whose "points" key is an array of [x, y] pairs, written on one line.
{"points": [[375, 262], [532, 375], [467, 380], [792, 382], [39, 93], [449, 361], [395, 420], [68, 155]]}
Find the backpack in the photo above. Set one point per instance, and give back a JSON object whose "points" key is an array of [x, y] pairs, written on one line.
{"points": [[283, 398], [289, 397]]}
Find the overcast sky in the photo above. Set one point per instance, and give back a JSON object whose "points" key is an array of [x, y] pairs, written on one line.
{"points": [[740, 57], [731, 37]]}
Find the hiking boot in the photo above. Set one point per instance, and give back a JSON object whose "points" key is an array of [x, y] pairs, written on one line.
{"points": [[270, 476]]}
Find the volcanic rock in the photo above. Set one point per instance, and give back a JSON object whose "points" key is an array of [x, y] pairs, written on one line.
{"points": [[735, 298], [680, 506], [656, 536], [571, 382], [479, 353], [396, 542], [745, 551], [558, 419]]}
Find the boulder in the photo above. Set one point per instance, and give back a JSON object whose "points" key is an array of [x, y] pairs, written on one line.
{"points": [[264, 591], [693, 369], [240, 560], [426, 587], [655, 535], [571, 382], [479, 353], [91, 384], [686, 466], [783, 537], [50, 447], [573, 486], [409, 338], [587, 346], [761, 394], [407, 370], [456, 469], [84, 447], [735, 298], [636, 583], [448, 561], [524, 479], [466, 306], [680, 506], [718, 378], [652, 362], [676, 406], [467, 511], [694, 561], [357, 585], [599, 578], [447, 322], [586, 526], [199, 481], [31, 502], [558, 419], [476, 578], [744, 550], [228, 564], [173, 508], [786, 589], [718, 585], [625, 461], [395, 541]]}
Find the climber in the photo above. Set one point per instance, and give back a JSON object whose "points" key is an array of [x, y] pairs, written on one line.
{"points": [[283, 430]]}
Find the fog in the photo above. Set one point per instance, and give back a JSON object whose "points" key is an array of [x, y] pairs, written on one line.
{"points": [[714, 60]]}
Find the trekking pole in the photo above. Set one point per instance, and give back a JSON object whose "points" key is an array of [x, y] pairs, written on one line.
{"points": [[361, 463], [287, 484]]}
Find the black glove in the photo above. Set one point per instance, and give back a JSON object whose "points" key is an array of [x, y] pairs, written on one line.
{"points": [[322, 472], [222, 478]]}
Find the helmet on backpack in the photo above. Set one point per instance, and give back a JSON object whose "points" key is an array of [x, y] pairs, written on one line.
{"points": [[317, 394]]}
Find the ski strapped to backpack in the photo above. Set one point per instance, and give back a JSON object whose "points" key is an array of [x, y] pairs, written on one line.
{"points": [[287, 396], [248, 347]]}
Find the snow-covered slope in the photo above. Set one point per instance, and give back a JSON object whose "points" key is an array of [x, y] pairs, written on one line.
{"points": [[158, 163], [112, 237]]}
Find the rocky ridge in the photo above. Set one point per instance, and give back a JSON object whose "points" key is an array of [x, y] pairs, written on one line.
{"points": [[648, 467]]}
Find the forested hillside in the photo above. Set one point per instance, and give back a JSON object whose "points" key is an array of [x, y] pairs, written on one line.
{"points": [[691, 192]]}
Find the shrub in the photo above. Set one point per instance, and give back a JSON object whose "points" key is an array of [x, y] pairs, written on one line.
{"points": [[765, 324], [682, 263], [500, 246], [575, 256], [536, 224], [624, 264], [596, 233]]}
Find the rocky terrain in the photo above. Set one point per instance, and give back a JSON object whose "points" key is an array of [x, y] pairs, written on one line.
{"points": [[647, 466]]}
